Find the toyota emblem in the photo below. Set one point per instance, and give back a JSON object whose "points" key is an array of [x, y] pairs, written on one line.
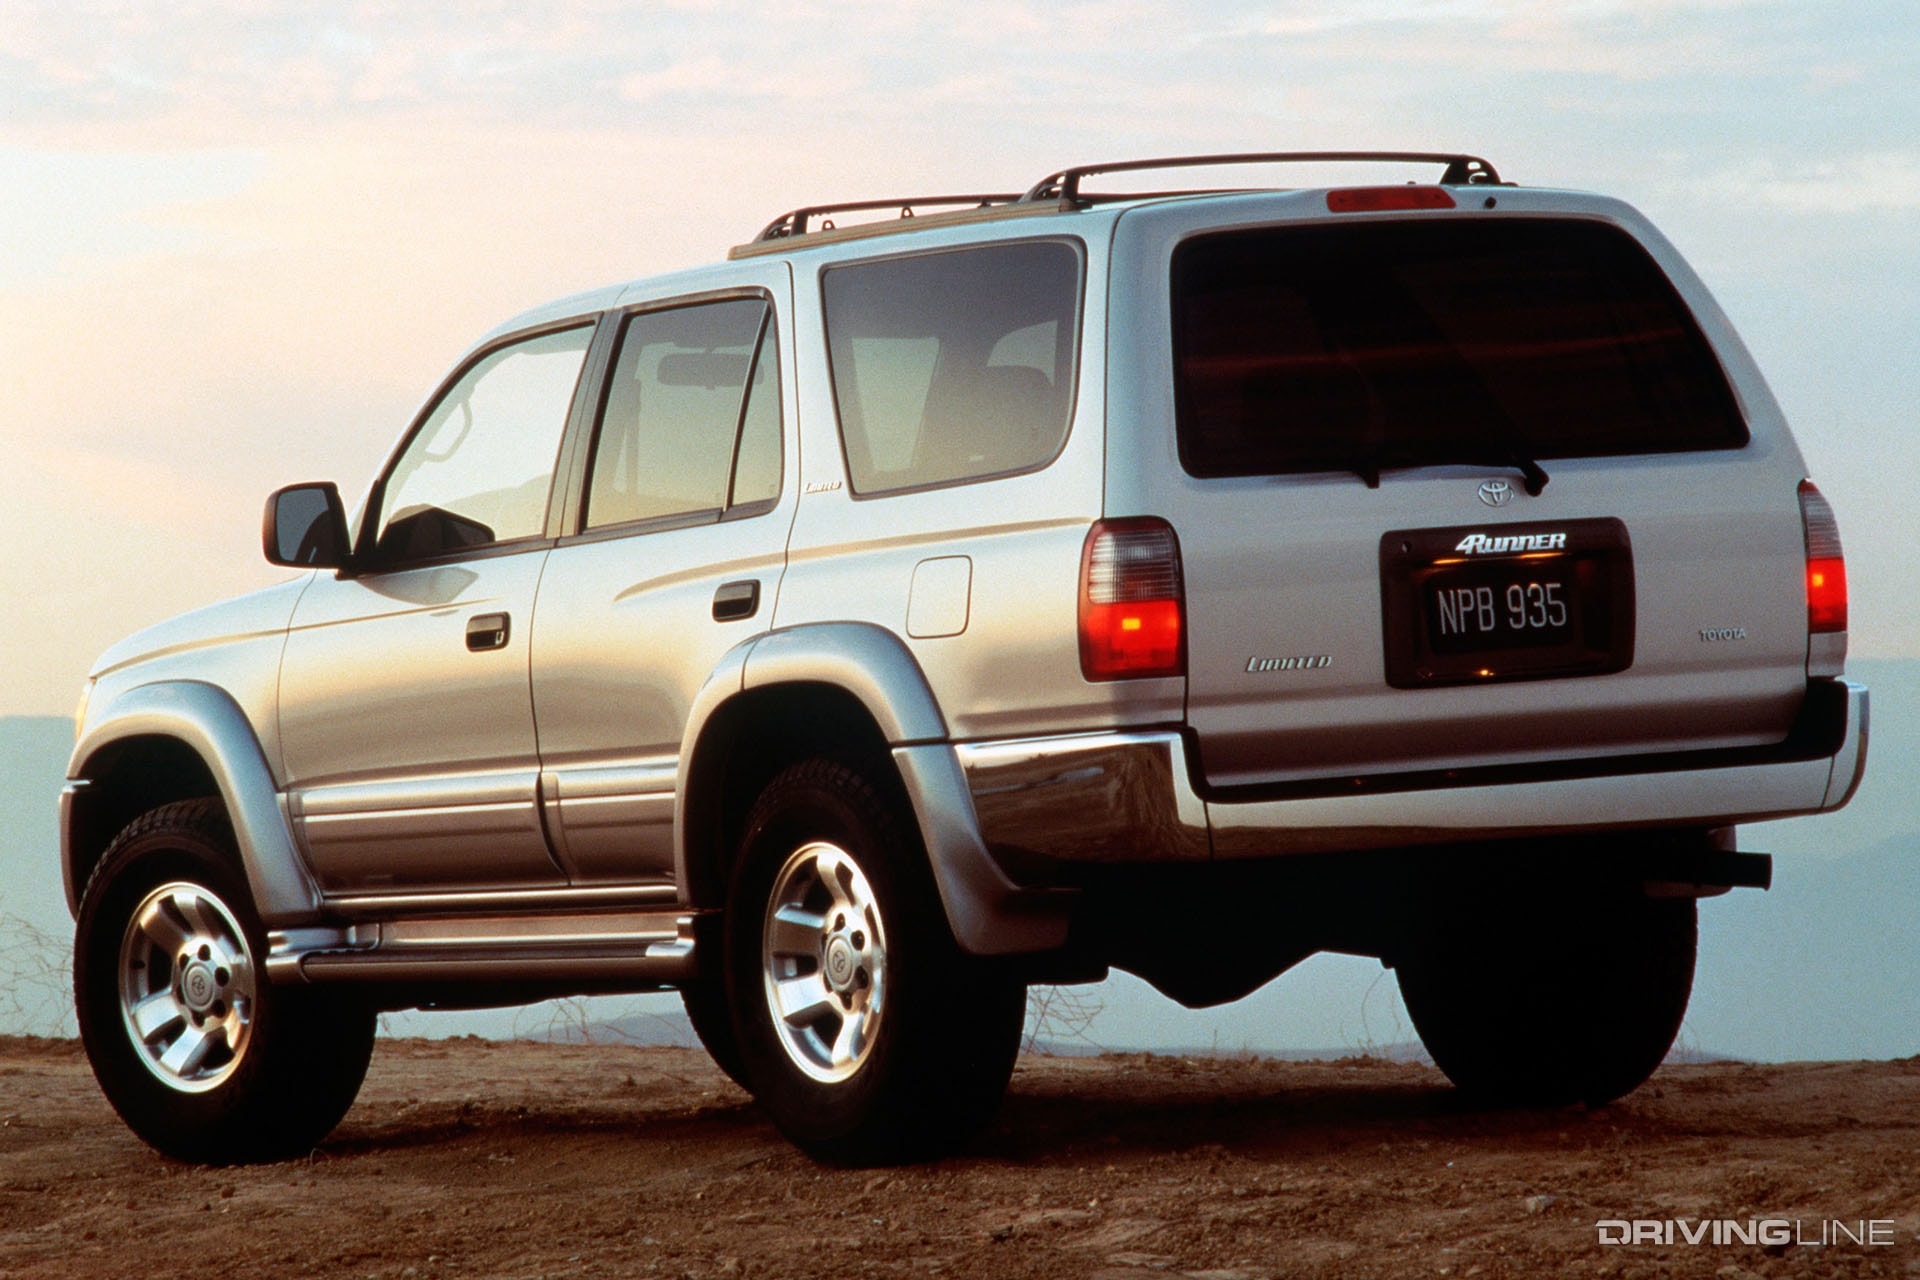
{"points": [[1496, 493]]}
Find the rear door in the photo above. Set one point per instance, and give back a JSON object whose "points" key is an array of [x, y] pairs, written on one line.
{"points": [[676, 545], [1351, 418]]}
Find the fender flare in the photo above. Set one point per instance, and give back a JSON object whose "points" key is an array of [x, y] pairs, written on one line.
{"points": [[207, 721], [868, 661], [988, 913]]}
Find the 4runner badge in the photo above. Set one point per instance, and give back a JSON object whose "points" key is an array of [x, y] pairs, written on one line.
{"points": [[1479, 544], [1496, 493]]}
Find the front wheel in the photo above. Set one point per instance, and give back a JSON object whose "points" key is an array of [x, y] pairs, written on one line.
{"points": [[865, 1031], [202, 1057], [1545, 1003]]}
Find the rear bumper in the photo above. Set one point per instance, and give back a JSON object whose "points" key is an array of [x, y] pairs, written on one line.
{"points": [[1131, 797]]}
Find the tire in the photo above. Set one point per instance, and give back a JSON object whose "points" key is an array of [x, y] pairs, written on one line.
{"points": [[209, 1062], [895, 1045], [711, 1013], [1540, 1005]]}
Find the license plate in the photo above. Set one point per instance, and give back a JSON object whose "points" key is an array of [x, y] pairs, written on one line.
{"points": [[1508, 602], [1503, 606]]}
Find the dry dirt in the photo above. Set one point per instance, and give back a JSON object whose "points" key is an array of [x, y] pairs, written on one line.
{"points": [[472, 1158]]}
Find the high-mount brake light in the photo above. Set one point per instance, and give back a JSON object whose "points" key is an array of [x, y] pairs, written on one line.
{"points": [[1132, 615], [1376, 199], [1826, 563]]}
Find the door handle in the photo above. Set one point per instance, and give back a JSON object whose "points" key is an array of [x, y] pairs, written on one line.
{"points": [[488, 631], [736, 600]]}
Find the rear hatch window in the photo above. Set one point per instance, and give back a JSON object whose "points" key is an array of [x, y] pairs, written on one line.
{"points": [[1417, 342]]}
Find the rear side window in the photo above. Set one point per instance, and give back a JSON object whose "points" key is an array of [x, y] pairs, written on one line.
{"points": [[955, 366], [692, 418], [1395, 344]]}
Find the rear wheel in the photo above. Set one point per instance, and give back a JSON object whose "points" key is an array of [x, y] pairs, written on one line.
{"points": [[1546, 1003], [202, 1057], [865, 1031]]}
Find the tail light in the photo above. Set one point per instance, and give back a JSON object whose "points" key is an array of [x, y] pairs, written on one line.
{"points": [[1379, 199], [1132, 619], [1826, 564]]}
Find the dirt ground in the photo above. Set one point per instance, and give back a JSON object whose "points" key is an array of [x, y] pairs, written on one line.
{"points": [[475, 1158]]}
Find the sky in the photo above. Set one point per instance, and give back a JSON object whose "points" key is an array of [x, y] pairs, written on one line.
{"points": [[239, 242]]}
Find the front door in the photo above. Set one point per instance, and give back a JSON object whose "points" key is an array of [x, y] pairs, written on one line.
{"points": [[406, 705]]}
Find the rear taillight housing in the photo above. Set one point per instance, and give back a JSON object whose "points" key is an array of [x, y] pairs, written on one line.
{"points": [[1132, 611], [1826, 564]]}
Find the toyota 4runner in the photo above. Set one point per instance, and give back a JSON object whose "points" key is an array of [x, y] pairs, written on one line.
{"points": [[906, 611]]}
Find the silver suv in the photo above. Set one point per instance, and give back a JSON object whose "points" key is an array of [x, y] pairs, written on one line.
{"points": [[905, 611]]}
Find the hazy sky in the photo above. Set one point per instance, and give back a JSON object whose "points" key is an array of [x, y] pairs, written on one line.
{"points": [[239, 242]]}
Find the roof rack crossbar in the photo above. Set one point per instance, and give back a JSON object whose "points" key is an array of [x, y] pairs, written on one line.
{"points": [[794, 223], [1461, 170]]}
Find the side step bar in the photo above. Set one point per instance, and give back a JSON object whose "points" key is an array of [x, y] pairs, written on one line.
{"points": [[642, 947]]}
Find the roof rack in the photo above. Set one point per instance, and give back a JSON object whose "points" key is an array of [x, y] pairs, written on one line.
{"points": [[1461, 170], [1062, 190], [795, 222]]}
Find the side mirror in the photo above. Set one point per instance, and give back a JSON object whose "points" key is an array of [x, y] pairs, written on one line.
{"points": [[306, 527]]}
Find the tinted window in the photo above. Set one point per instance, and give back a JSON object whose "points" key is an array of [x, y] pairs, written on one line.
{"points": [[756, 471], [480, 468], [1393, 344], [692, 418], [953, 366]]}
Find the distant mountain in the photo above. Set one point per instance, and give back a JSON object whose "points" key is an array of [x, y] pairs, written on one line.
{"points": [[1826, 964], [642, 1029], [35, 930], [1887, 807], [1823, 965], [33, 765]]}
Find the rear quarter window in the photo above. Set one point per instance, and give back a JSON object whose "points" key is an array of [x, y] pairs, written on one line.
{"points": [[1367, 346], [953, 366]]}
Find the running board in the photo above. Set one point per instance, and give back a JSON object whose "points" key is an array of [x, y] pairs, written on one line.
{"points": [[653, 947]]}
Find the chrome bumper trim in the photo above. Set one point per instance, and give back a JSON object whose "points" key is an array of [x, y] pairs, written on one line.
{"points": [[1095, 797], [1130, 797]]}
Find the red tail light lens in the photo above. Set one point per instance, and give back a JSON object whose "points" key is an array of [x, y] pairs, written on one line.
{"points": [[1826, 563], [1376, 199], [1132, 619]]}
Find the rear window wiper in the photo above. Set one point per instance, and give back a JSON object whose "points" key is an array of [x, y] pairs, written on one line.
{"points": [[1510, 453], [1533, 477]]}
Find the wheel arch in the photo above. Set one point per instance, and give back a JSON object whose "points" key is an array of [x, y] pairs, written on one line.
{"points": [[853, 691], [180, 740]]}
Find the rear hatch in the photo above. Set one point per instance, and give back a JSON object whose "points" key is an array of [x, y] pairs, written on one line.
{"points": [[1481, 485]]}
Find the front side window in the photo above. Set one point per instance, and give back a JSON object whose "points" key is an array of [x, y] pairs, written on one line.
{"points": [[692, 418], [1386, 344], [953, 366], [480, 468]]}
